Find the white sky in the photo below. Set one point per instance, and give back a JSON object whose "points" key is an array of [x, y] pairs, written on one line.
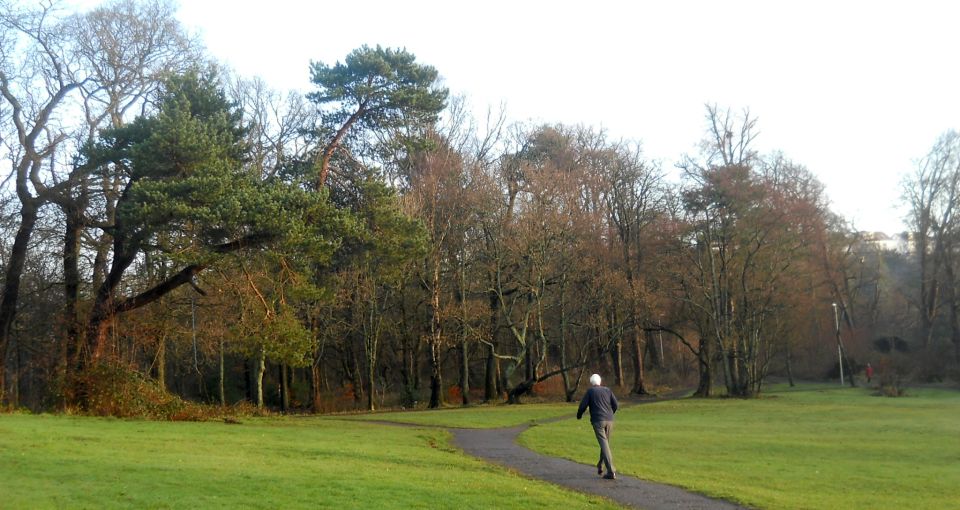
{"points": [[856, 91]]}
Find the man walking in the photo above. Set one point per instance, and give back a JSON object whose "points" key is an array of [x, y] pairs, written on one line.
{"points": [[602, 405]]}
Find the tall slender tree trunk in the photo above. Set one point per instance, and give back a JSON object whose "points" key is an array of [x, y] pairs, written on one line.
{"points": [[568, 389], [162, 363], [258, 375], [358, 386], [436, 337], [845, 359], [616, 357], [789, 359], [284, 390], [528, 362], [436, 381], [464, 337], [638, 386], [371, 383], [315, 387], [653, 354], [465, 371], [71, 285], [223, 395], [11, 287], [490, 381], [705, 381]]}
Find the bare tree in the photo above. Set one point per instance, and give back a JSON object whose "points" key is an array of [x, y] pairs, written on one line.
{"points": [[933, 192], [38, 74], [634, 202]]}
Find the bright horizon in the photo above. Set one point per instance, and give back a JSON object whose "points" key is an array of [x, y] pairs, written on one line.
{"points": [[854, 91]]}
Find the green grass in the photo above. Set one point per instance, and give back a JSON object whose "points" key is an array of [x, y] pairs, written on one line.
{"points": [[479, 417], [808, 447], [72, 462]]}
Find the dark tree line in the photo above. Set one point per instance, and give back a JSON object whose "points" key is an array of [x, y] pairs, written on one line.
{"points": [[177, 230]]}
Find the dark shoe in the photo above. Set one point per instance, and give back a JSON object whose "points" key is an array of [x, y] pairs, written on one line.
{"points": [[610, 476], [600, 468]]}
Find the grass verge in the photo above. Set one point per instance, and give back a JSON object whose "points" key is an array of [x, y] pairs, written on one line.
{"points": [[806, 447], [478, 417], [77, 462]]}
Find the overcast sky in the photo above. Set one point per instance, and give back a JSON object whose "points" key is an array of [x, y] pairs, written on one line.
{"points": [[855, 91]]}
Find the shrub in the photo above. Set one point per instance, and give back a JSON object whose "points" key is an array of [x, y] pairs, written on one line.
{"points": [[893, 372], [107, 389]]}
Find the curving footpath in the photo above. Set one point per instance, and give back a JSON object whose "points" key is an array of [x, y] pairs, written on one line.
{"points": [[500, 446]]}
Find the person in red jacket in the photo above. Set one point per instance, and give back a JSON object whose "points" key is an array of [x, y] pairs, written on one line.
{"points": [[602, 404], [869, 372]]}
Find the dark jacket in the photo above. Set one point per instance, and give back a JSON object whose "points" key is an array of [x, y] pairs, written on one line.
{"points": [[601, 402]]}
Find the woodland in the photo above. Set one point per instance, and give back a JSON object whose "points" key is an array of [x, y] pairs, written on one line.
{"points": [[176, 237]]}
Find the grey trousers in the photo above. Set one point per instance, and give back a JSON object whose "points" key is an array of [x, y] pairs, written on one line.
{"points": [[603, 430]]}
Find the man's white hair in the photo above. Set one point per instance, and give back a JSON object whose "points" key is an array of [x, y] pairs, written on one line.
{"points": [[595, 379]]}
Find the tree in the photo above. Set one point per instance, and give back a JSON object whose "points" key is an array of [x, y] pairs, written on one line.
{"points": [[746, 233], [390, 242], [187, 197], [38, 74], [933, 193], [539, 234], [438, 183], [128, 49], [633, 203], [375, 89]]}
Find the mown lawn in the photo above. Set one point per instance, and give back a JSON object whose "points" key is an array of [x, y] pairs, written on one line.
{"points": [[477, 417], [820, 447], [73, 462], [814, 446]]}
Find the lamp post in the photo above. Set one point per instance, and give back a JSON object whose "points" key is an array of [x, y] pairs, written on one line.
{"points": [[836, 322]]}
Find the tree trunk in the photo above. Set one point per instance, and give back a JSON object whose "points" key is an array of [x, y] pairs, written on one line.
{"points": [[616, 357], [358, 387], [103, 310], [465, 371], [490, 386], [328, 151], [464, 343], [436, 382], [567, 392], [282, 386], [371, 383], [528, 362], [705, 381], [223, 395], [638, 386], [490, 379], [436, 336], [11, 288], [258, 375], [315, 387], [653, 355], [71, 286], [415, 360], [513, 396], [789, 360], [845, 358], [162, 363]]}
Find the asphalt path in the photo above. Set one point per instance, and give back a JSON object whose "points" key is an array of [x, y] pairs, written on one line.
{"points": [[500, 447]]}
